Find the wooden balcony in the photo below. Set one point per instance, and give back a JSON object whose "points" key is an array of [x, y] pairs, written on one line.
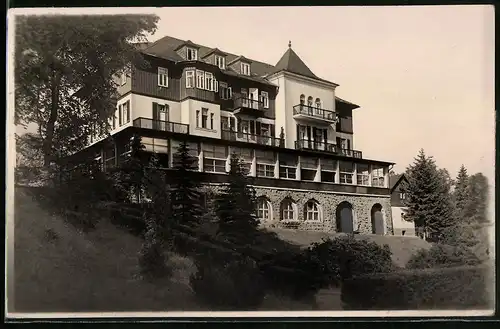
{"points": [[248, 106], [306, 144], [314, 114], [251, 138], [173, 127]]}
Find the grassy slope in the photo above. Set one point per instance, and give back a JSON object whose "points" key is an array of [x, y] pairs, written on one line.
{"points": [[85, 272], [402, 247]]}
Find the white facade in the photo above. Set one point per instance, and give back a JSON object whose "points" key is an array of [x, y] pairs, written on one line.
{"points": [[400, 225]]}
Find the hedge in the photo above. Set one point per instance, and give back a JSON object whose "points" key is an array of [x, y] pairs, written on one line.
{"points": [[465, 287]]}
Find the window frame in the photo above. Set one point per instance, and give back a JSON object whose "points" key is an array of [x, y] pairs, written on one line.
{"points": [[346, 176], [193, 51], [245, 69], [200, 79], [378, 181], [315, 210], [190, 79], [265, 99], [215, 162], [220, 61], [363, 177], [162, 77], [263, 206], [288, 207], [204, 117]]}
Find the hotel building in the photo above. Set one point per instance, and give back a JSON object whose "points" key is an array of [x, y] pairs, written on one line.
{"points": [[293, 132]]}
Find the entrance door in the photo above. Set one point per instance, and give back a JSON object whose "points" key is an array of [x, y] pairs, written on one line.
{"points": [[345, 218]]}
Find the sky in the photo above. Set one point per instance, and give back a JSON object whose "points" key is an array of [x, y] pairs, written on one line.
{"points": [[422, 75]]}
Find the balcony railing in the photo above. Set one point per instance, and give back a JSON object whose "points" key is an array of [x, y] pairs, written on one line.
{"points": [[316, 146], [306, 144], [248, 103], [168, 126], [314, 112], [251, 138]]}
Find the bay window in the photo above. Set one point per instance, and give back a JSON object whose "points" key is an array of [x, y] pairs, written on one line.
{"points": [[266, 162], [308, 168], [378, 176], [328, 170], [346, 172], [214, 158], [288, 166], [363, 174]]}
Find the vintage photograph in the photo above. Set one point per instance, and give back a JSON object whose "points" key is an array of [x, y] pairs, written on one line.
{"points": [[249, 159]]}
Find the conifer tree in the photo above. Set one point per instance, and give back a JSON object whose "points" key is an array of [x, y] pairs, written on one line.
{"points": [[477, 205], [235, 207], [428, 201], [186, 194], [461, 194]]}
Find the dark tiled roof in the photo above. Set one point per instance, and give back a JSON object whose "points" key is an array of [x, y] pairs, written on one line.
{"points": [[166, 48], [394, 180], [240, 58], [216, 51], [291, 62], [188, 43]]}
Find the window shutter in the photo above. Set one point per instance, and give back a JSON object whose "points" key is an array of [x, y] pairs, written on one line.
{"points": [[231, 122], [348, 144], [128, 111], [167, 112], [120, 115], [272, 130], [257, 128], [230, 92], [216, 85], [155, 111]]}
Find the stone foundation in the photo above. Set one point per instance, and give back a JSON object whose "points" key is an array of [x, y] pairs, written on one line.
{"points": [[328, 203]]}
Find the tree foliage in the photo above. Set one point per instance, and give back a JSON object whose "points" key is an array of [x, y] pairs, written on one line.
{"points": [[461, 194], [477, 205], [186, 195], [428, 199], [65, 73], [235, 207]]}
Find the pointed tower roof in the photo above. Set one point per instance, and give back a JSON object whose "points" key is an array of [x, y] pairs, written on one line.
{"points": [[291, 62]]}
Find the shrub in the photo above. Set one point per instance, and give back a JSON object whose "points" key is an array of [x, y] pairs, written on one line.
{"points": [[301, 274], [234, 285], [152, 260], [442, 256], [440, 288]]}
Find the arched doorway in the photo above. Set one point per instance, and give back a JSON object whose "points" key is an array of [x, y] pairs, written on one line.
{"points": [[345, 218], [378, 226]]}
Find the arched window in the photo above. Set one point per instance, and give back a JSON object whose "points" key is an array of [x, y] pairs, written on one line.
{"points": [[309, 101], [312, 211], [287, 210], [318, 103], [264, 212], [302, 99]]}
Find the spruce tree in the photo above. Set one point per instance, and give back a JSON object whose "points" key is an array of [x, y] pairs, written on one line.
{"points": [[461, 194], [477, 205], [186, 194], [428, 201], [235, 207]]}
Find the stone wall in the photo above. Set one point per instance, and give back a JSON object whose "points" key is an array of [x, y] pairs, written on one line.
{"points": [[328, 203]]}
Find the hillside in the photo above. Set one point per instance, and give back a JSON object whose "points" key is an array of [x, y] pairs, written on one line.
{"points": [[59, 269], [402, 247]]}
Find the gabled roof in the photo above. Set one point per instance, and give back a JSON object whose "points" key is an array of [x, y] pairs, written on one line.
{"points": [[395, 180], [349, 104], [214, 51], [241, 59], [188, 43]]}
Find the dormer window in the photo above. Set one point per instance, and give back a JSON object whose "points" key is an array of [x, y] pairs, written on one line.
{"points": [[192, 54], [245, 68], [220, 61]]}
